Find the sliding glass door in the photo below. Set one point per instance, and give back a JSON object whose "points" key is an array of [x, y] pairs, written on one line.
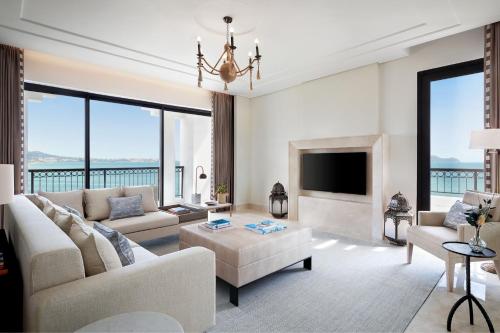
{"points": [[81, 140]]}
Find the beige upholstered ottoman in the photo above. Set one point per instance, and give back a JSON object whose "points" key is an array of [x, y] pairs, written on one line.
{"points": [[243, 256]]}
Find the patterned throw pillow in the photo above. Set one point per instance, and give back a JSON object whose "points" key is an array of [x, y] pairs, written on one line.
{"points": [[119, 242], [122, 207], [456, 215], [74, 211]]}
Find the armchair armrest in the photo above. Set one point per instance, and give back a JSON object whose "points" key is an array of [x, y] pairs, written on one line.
{"points": [[490, 233], [181, 284], [427, 218]]}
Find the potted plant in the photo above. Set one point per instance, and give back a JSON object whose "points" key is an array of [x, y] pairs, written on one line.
{"points": [[477, 217], [221, 192]]}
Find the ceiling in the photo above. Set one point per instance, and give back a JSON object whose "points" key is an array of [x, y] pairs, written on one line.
{"points": [[299, 40]]}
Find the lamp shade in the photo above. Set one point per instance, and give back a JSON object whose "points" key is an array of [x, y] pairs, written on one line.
{"points": [[6, 183], [485, 139]]}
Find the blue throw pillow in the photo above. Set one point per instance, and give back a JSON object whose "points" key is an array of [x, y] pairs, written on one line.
{"points": [[122, 207], [120, 243]]}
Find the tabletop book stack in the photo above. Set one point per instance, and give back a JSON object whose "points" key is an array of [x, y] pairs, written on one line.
{"points": [[216, 225]]}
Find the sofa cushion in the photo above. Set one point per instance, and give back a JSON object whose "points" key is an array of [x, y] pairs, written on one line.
{"points": [[98, 253], [120, 243], [123, 207], [96, 202], [141, 254], [140, 223], [63, 220], [148, 197], [475, 198], [73, 199], [35, 198]]}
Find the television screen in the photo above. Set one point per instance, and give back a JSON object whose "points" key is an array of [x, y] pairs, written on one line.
{"points": [[334, 172]]}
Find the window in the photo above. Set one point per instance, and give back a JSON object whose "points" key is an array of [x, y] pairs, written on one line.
{"points": [[124, 145], [450, 106], [81, 140], [55, 140]]}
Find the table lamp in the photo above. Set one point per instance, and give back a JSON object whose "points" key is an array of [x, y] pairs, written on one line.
{"points": [[6, 186]]}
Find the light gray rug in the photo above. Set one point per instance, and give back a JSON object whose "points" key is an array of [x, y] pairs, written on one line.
{"points": [[354, 286]]}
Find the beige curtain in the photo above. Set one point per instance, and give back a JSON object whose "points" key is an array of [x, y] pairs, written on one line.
{"points": [[223, 142], [492, 100], [12, 111]]}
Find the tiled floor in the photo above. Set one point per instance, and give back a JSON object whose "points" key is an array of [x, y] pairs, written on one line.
{"points": [[433, 314]]}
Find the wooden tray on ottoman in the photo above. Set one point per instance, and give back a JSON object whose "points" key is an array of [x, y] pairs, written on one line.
{"points": [[195, 214]]}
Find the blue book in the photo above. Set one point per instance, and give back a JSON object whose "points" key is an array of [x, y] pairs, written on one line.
{"points": [[265, 227]]}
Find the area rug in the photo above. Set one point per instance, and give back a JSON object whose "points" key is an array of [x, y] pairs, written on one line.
{"points": [[354, 286]]}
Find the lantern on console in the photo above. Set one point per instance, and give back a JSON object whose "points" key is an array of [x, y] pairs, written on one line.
{"points": [[278, 201]]}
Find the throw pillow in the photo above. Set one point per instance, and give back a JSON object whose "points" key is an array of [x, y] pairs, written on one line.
{"points": [[148, 197], [63, 220], [35, 199], [125, 207], [120, 243], [98, 253], [456, 215], [70, 198], [74, 211], [96, 202]]}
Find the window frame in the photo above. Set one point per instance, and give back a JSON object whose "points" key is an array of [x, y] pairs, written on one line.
{"points": [[88, 96], [424, 80]]}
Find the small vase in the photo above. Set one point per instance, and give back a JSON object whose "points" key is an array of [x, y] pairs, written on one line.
{"points": [[476, 243]]}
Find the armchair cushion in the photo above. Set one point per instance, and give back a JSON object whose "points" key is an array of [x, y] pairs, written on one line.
{"points": [[433, 234]]}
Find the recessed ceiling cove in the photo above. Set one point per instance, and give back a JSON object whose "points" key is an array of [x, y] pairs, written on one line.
{"points": [[303, 40]]}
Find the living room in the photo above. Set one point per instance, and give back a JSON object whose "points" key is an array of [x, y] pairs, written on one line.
{"points": [[349, 163]]}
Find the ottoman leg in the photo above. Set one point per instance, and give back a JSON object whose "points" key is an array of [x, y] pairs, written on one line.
{"points": [[233, 295], [308, 263]]}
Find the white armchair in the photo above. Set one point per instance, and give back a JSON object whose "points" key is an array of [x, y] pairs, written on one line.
{"points": [[430, 233]]}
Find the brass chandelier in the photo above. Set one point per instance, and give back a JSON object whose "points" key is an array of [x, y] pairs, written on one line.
{"points": [[229, 70]]}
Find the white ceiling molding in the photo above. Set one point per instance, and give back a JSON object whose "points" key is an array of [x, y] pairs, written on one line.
{"points": [[300, 41]]}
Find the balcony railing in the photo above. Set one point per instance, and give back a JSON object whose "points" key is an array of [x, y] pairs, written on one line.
{"points": [[62, 180], [448, 181]]}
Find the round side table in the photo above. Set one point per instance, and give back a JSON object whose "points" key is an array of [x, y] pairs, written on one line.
{"points": [[135, 322], [465, 250]]}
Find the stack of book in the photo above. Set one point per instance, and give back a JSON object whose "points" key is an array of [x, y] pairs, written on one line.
{"points": [[216, 225], [179, 210], [265, 227]]}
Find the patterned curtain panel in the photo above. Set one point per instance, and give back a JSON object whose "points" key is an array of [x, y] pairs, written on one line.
{"points": [[492, 100], [223, 142], [12, 111]]}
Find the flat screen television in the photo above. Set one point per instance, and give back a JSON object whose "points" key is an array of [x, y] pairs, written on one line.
{"points": [[334, 172]]}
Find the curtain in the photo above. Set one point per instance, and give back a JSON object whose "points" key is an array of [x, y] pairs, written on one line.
{"points": [[12, 111], [223, 142]]}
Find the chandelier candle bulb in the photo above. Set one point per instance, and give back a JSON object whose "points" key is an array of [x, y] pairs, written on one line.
{"points": [[256, 47]]}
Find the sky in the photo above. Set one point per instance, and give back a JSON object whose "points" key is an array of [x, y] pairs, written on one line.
{"points": [[456, 109], [56, 126]]}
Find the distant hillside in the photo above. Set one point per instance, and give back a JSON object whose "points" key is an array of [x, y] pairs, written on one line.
{"points": [[41, 157], [437, 159]]}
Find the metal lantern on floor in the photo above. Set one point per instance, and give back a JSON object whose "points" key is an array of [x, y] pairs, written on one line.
{"points": [[278, 201], [401, 218]]}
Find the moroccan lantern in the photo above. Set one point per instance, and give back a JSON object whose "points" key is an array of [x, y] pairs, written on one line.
{"points": [[278, 201]]}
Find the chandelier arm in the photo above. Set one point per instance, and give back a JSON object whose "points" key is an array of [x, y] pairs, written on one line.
{"points": [[210, 71], [210, 66]]}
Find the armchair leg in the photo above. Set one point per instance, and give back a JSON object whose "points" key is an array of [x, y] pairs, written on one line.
{"points": [[409, 253], [497, 267], [450, 275]]}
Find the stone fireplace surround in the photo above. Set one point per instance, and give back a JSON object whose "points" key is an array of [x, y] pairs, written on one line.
{"points": [[356, 216]]}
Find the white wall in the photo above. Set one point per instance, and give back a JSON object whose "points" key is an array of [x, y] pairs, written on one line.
{"points": [[71, 74], [341, 105], [398, 87], [369, 100]]}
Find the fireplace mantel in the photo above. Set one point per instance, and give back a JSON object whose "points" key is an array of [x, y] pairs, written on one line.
{"points": [[358, 216]]}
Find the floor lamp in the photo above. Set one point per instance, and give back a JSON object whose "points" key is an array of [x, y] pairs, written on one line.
{"points": [[489, 140], [6, 187]]}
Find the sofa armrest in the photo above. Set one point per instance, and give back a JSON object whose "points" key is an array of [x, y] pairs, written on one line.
{"points": [[180, 284], [426, 218], [490, 233]]}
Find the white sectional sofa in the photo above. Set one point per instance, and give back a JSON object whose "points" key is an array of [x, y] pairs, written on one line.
{"points": [[59, 297]]}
